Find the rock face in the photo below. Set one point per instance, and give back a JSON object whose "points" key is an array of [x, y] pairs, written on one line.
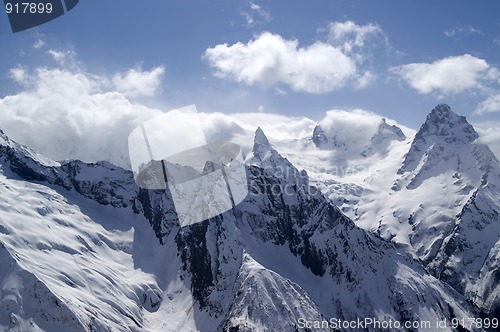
{"points": [[110, 256]]}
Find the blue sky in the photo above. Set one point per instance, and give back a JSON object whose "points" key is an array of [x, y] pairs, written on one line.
{"points": [[295, 58]]}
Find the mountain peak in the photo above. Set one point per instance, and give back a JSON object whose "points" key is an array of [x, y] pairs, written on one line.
{"points": [[443, 122], [443, 110], [261, 138], [385, 130], [445, 136], [4, 139], [17, 154], [319, 136]]}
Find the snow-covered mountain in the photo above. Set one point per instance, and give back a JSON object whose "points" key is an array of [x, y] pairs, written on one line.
{"points": [[436, 191], [82, 248], [458, 234]]}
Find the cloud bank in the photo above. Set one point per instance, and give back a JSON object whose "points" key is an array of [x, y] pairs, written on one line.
{"points": [[65, 114], [70, 114]]}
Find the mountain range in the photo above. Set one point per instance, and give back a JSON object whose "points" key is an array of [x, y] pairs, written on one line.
{"points": [[394, 226]]}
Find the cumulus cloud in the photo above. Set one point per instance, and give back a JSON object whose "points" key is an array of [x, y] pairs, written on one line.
{"points": [[490, 105], [336, 61], [270, 59], [450, 75], [66, 114], [138, 82]]}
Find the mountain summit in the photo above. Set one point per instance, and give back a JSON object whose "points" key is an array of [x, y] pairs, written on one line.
{"points": [[443, 136], [442, 122]]}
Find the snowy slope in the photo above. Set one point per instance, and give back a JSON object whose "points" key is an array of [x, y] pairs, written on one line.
{"points": [[72, 271], [469, 257]]}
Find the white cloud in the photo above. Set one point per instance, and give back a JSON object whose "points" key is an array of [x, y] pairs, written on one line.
{"points": [[137, 82], [269, 60], [450, 75], [349, 35], [490, 105], [67, 114]]}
